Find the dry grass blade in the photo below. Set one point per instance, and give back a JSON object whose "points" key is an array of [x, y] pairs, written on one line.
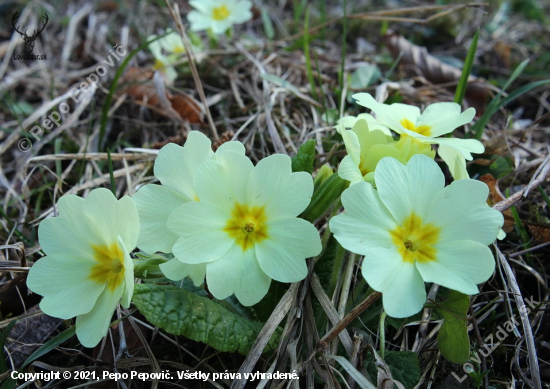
{"points": [[72, 33], [85, 100], [363, 382], [291, 88], [355, 358], [531, 349], [90, 157], [188, 51], [265, 334], [330, 311], [351, 316], [154, 362], [417, 59], [266, 105], [535, 181], [385, 379]]}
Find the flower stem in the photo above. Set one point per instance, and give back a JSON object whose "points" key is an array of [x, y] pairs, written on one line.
{"points": [[382, 330]]}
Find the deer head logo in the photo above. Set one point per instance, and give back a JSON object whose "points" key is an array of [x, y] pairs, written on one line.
{"points": [[29, 40]]}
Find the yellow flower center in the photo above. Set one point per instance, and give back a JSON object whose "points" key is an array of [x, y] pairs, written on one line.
{"points": [[363, 167], [422, 130], [415, 240], [247, 225], [158, 64], [179, 49], [109, 267], [220, 13]]}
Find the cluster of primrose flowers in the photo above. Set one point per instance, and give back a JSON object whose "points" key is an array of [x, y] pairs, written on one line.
{"points": [[237, 225], [215, 16]]}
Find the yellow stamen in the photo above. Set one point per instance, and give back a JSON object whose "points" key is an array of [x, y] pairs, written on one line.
{"points": [[110, 266], [158, 64], [247, 225], [415, 240], [422, 130], [363, 167], [220, 13]]}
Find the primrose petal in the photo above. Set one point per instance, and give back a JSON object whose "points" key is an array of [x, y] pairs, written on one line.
{"points": [[413, 230]]}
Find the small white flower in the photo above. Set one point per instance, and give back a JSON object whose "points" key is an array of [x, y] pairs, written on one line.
{"points": [[413, 229], [88, 269], [373, 124], [175, 167], [167, 51], [218, 15], [427, 127], [245, 226]]}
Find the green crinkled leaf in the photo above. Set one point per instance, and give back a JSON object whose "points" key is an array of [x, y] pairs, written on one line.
{"points": [[181, 312], [404, 367], [453, 339], [303, 161]]}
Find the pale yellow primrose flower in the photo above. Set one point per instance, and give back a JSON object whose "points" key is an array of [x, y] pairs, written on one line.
{"points": [[349, 121], [218, 15], [88, 268], [167, 51], [366, 147], [245, 226], [413, 229], [175, 167], [437, 119]]}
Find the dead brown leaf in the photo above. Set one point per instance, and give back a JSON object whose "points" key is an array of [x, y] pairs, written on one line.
{"points": [[142, 90], [496, 196], [540, 233]]}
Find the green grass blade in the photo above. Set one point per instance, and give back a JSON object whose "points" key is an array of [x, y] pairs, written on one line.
{"points": [[343, 64], [43, 350], [324, 18], [320, 81], [496, 103], [393, 66], [521, 230], [508, 99], [268, 24], [514, 75], [111, 172], [9, 384], [3, 338], [544, 196], [50, 345], [299, 6], [308, 57], [466, 71], [524, 89]]}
